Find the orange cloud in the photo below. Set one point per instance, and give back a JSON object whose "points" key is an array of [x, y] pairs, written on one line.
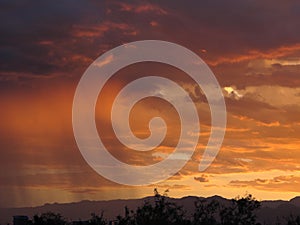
{"points": [[98, 30], [275, 53], [279, 183], [153, 23], [145, 8]]}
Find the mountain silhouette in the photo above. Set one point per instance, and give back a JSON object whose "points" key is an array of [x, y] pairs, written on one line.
{"points": [[268, 213]]}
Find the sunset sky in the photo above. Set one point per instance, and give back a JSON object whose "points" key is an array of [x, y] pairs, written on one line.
{"points": [[252, 47]]}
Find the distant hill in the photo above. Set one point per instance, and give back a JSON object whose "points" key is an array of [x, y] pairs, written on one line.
{"points": [[295, 201], [269, 212]]}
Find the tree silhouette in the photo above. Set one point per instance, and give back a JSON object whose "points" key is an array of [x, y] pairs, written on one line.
{"points": [[206, 213], [128, 219], [162, 212], [240, 212], [293, 220], [97, 219], [49, 218]]}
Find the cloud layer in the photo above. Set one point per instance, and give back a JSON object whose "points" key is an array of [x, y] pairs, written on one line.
{"points": [[252, 47]]}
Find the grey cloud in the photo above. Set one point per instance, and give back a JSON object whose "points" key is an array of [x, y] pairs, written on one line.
{"points": [[201, 179]]}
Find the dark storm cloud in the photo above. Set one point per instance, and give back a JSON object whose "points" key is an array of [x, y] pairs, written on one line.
{"points": [[44, 37], [32, 32], [229, 26]]}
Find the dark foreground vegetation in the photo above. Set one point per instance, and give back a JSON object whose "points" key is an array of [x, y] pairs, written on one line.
{"points": [[240, 211]]}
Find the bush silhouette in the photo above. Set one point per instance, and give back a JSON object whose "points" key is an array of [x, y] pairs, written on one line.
{"points": [[49, 218]]}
